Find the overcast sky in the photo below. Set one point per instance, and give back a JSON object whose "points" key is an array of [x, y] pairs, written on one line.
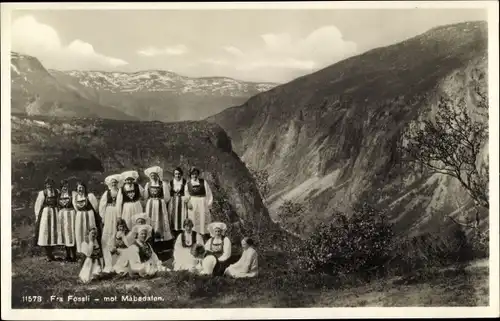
{"points": [[255, 45]]}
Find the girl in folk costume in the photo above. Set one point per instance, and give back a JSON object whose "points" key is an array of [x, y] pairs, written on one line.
{"points": [[46, 218], [93, 264], [177, 204], [108, 209], [138, 219], [141, 257], [114, 252], [219, 246], [66, 222], [185, 242], [247, 266], [86, 216], [129, 198], [199, 200], [157, 195]]}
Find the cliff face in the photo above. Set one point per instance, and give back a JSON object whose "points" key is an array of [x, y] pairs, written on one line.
{"points": [[91, 149], [330, 139]]}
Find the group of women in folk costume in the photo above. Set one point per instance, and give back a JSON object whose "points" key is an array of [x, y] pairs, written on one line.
{"points": [[117, 234], [64, 217]]}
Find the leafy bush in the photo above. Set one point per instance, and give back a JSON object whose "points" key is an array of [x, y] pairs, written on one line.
{"points": [[360, 243], [290, 216]]}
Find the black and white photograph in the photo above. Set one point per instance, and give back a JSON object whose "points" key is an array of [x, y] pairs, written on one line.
{"points": [[249, 157]]}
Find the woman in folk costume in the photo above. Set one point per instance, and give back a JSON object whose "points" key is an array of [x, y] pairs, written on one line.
{"points": [[248, 265], [66, 222], [199, 200], [114, 252], [46, 218], [177, 204], [86, 216], [108, 209], [142, 259], [219, 246], [157, 195], [185, 242], [93, 264], [129, 198]]}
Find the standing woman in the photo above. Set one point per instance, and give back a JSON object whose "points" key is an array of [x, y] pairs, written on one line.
{"points": [[177, 205], [46, 218], [108, 209], [199, 200], [129, 197], [66, 222], [86, 214], [157, 195]]}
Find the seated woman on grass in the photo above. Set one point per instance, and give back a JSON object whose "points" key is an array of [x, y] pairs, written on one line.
{"points": [[186, 240], [142, 260], [114, 253], [218, 249], [247, 266], [93, 263]]}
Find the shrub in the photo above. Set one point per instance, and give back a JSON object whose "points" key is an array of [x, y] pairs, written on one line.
{"points": [[360, 243], [290, 216]]}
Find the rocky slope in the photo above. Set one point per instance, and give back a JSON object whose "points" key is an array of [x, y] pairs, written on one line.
{"points": [[36, 92], [162, 95], [330, 139], [91, 149]]}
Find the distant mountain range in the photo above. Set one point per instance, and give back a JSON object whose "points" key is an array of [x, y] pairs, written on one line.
{"points": [[144, 95]]}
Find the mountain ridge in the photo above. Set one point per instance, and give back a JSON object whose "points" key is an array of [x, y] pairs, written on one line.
{"points": [[331, 138]]}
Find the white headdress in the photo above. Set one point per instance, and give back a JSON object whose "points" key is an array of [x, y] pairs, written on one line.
{"points": [[155, 169], [115, 177], [130, 174], [217, 225], [143, 227], [143, 216]]}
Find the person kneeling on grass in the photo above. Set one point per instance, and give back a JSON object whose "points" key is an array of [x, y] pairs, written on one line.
{"points": [[142, 260], [247, 266], [93, 263], [204, 260]]}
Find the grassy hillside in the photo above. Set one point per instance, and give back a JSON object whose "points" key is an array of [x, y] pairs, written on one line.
{"points": [[278, 286]]}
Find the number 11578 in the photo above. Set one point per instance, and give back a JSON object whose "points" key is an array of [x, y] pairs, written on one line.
{"points": [[31, 298]]}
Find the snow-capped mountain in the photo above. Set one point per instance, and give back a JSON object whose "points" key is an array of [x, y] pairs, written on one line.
{"points": [[145, 95], [165, 81], [35, 91]]}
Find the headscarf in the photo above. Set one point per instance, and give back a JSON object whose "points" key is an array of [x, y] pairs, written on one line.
{"points": [[156, 170], [115, 177], [215, 225], [129, 174]]}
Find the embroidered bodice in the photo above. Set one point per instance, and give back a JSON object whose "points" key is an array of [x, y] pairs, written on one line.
{"points": [[177, 187], [65, 200], [188, 241], [155, 191], [145, 251], [50, 197], [131, 192], [197, 188], [217, 249], [82, 202], [112, 194], [119, 243]]}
